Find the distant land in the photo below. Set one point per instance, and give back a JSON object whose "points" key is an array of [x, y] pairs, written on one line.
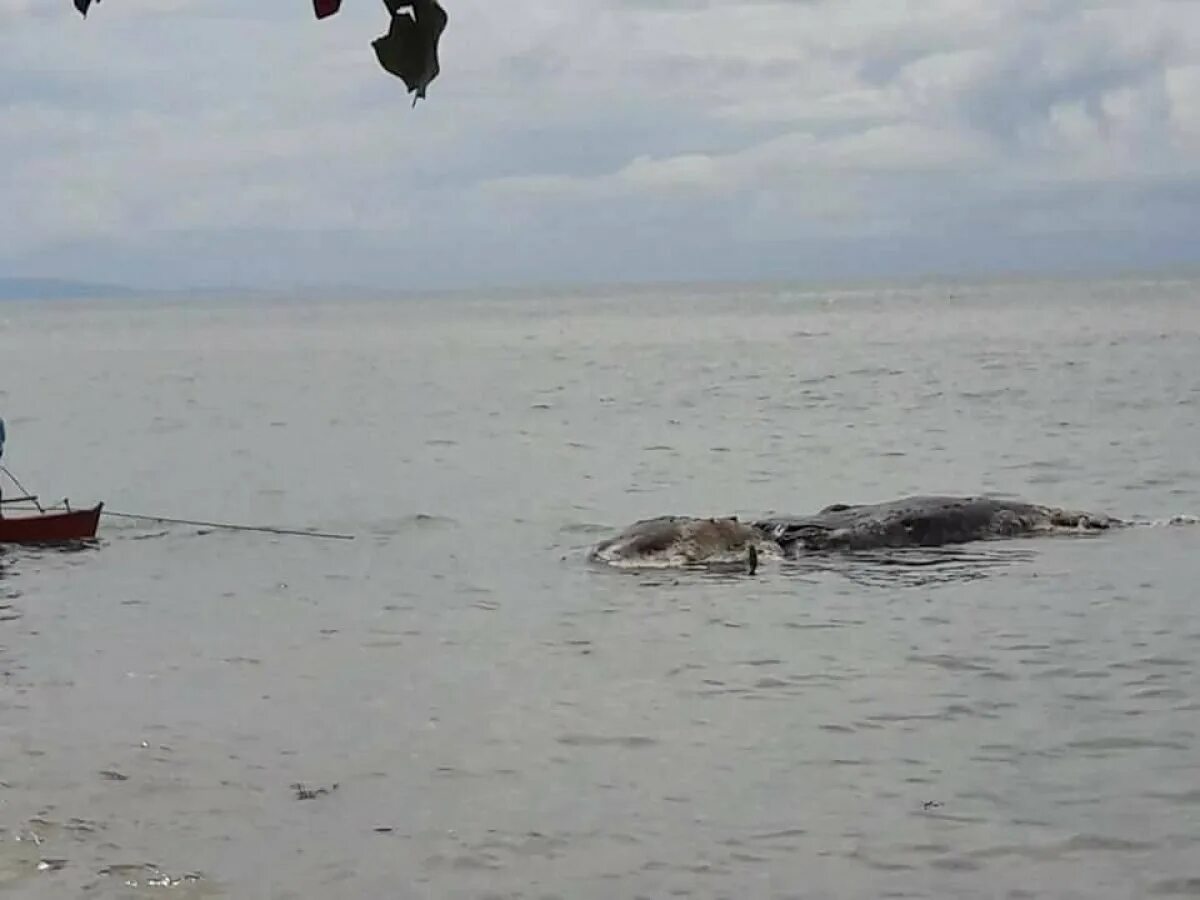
{"points": [[76, 289], [50, 289], [68, 289], [61, 289]]}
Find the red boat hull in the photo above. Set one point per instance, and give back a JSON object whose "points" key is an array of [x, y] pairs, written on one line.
{"points": [[51, 527]]}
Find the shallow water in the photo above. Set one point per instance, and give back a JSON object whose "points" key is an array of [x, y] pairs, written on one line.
{"points": [[501, 719]]}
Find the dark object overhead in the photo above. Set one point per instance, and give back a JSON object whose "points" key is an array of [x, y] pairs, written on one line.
{"points": [[410, 48]]}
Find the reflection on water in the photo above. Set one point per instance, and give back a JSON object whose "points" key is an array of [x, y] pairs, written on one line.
{"points": [[892, 567], [8, 591], [912, 567]]}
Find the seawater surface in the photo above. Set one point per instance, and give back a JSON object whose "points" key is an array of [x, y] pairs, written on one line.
{"points": [[457, 705]]}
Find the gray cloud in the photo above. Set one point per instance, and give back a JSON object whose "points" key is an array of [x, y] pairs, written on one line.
{"points": [[168, 142]]}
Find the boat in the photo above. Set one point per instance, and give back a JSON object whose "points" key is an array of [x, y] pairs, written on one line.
{"points": [[51, 526], [38, 524]]}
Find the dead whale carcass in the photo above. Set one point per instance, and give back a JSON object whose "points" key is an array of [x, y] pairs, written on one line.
{"points": [[918, 521], [683, 540], [923, 521]]}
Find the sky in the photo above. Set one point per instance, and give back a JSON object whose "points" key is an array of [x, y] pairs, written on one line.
{"points": [[177, 143]]}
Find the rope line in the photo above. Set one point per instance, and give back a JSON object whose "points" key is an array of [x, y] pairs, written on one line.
{"points": [[231, 527]]}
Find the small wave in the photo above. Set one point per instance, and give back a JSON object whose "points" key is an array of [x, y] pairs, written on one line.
{"points": [[149, 535], [1171, 521], [45, 551], [414, 521], [584, 528], [1176, 887], [598, 740]]}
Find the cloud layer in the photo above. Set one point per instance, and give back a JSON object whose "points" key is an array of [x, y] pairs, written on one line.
{"points": [[168, 142]]}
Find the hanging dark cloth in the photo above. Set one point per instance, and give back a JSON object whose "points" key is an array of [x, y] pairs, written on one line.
{"points": [[409, 50]]}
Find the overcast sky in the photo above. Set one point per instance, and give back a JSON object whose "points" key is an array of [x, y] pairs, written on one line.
{"points": [[202, 142]]}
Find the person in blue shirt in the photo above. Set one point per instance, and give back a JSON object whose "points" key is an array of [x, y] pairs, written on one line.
{"points": [[1, 456]]}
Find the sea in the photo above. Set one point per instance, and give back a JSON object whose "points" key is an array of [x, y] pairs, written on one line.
{"points": [[453, 702]]}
